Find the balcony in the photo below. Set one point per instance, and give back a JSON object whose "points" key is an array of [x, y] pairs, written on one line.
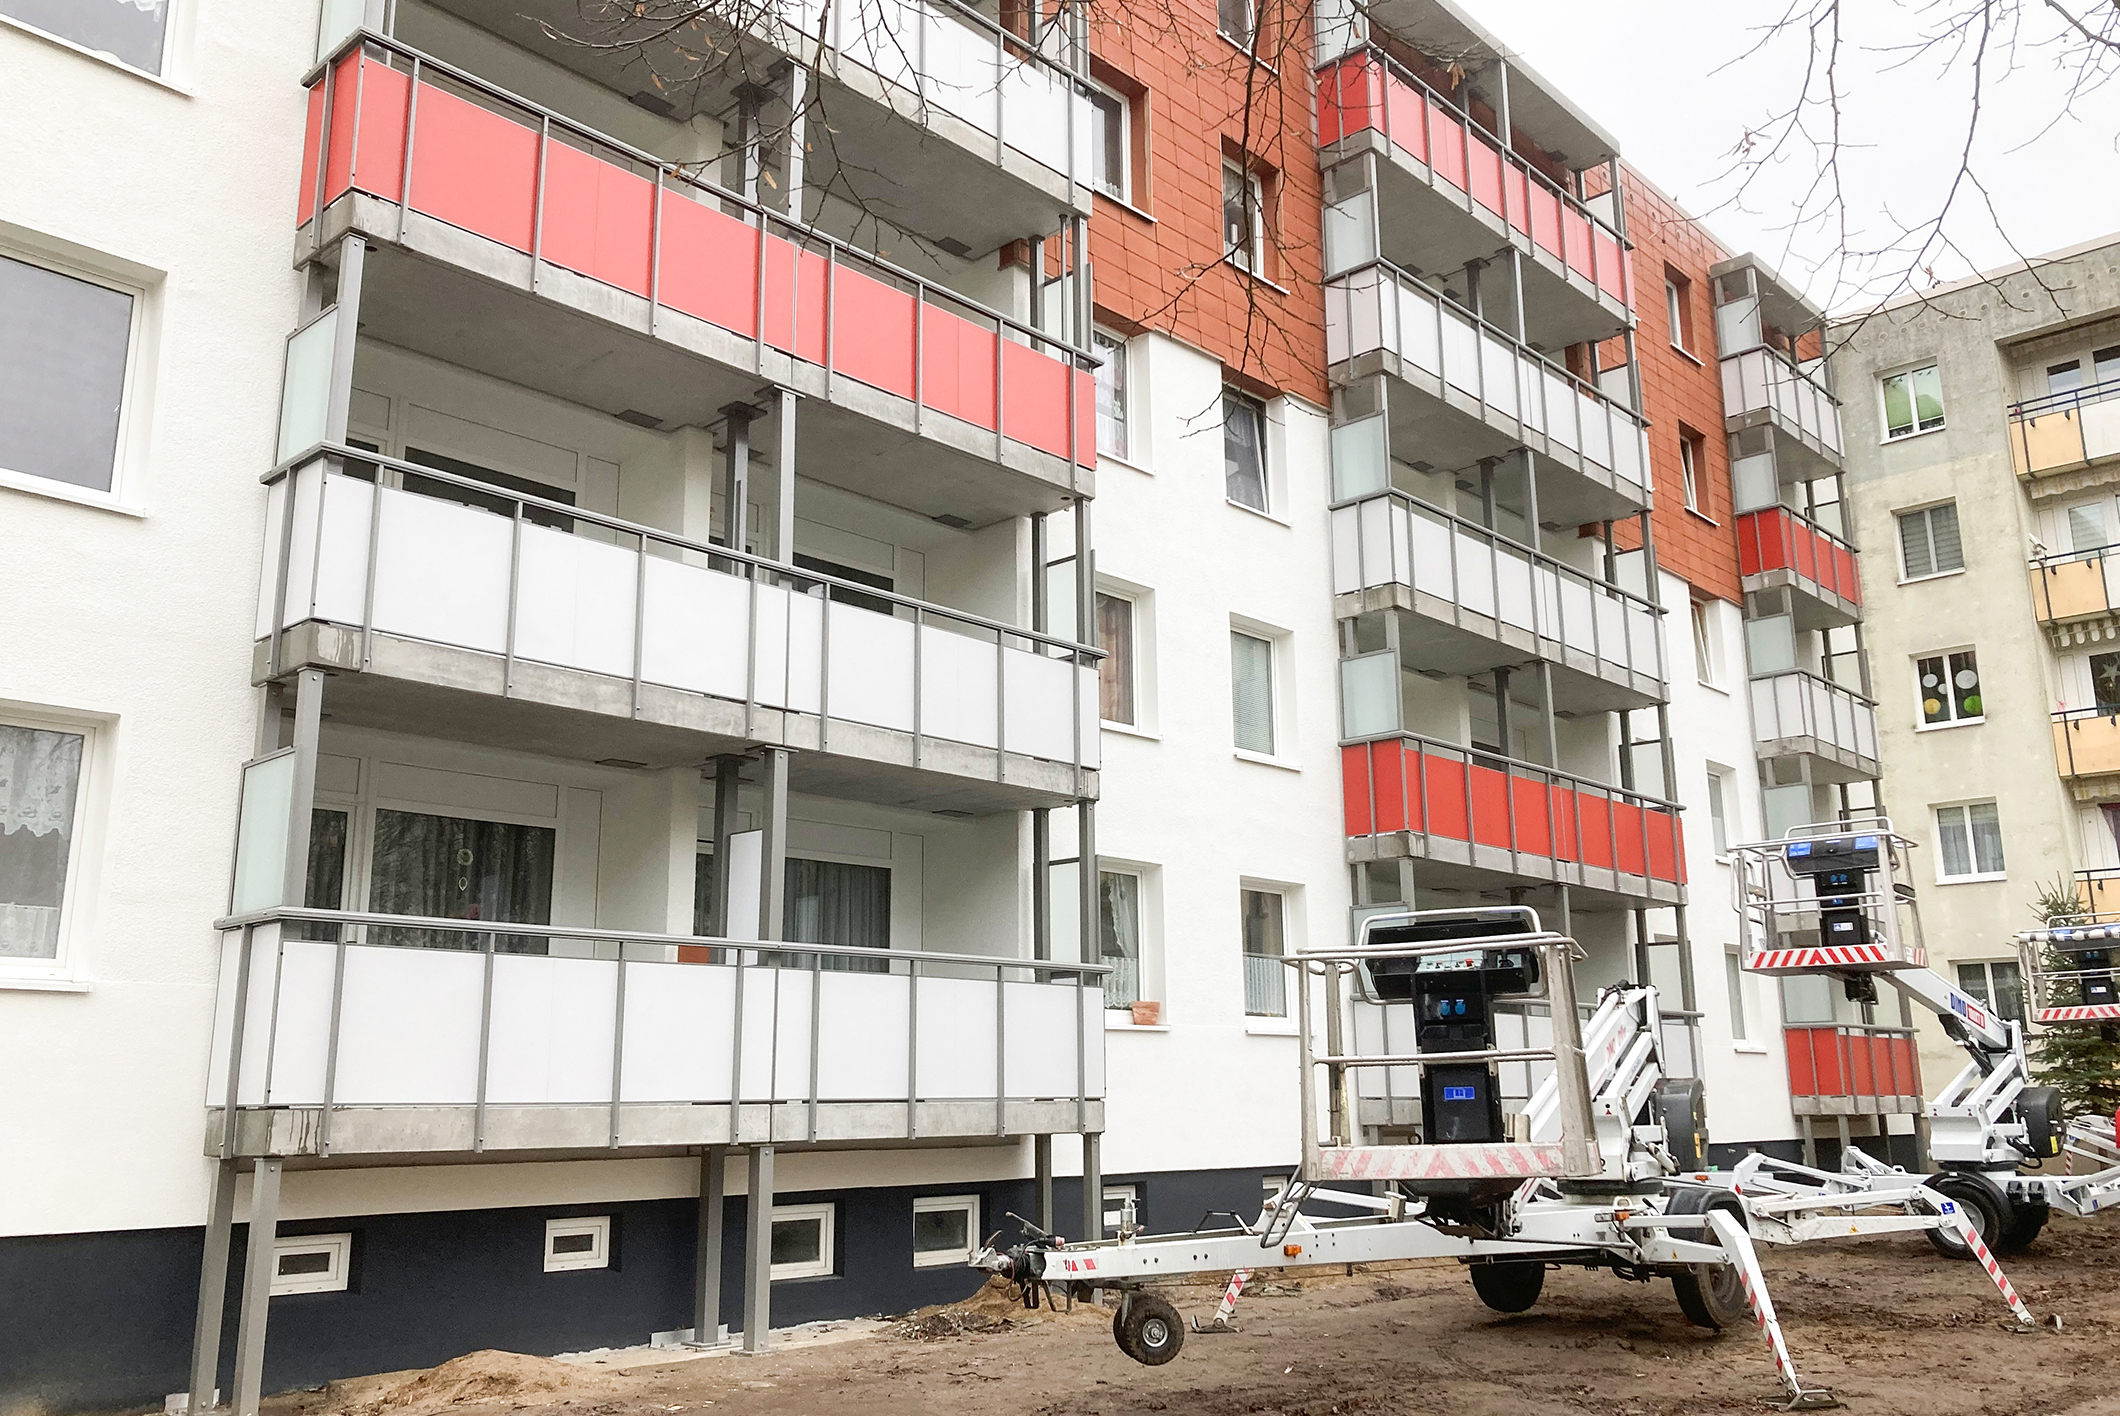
{"points": [[1853, 1070], [2087, 742], [2066, 432], [1799, 714], [2080, 585], [515, 243], [2099, 889], [1474, 392], [1474, 600], [1763, 387], [387, 1040], [1489, 822], [1778, 547], [511, 629], [1450, 192]]}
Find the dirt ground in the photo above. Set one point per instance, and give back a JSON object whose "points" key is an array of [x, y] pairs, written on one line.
{"points": [[1890, 1327]]}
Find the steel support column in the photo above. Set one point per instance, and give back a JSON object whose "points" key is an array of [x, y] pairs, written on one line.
{"points": [[707, 1329], [1042, 1160], [257, 1286], [773, 845], [728, 778], [784, 404], [1093, 1184], [213, 1287], [758, 1251], [736, 477]]}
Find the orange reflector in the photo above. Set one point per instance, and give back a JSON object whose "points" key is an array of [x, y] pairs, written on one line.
{"points": [[1291, 1250]]}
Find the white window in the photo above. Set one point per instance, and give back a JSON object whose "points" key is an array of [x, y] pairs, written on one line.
{"points": [[1968, 842], [1707, 664], [945, 1230], [45, 765], [1251, 675], [1734, 975], [1111, 354], [1111, 142], [1244, 449], [310, 1263], [133, 32], [1115, 1201], [1119, 935], [450, 867], [1678, 308], [1998, 983], [1689, 469], [67, 351], [1913, 402], [2086, 527], [1929, 542], [1948, 686], [1243, 216], [1237, 21], [2064, 378], [1115, 672], [802, 1241], [1263, 916], [577, 1243], [1719, 809]]}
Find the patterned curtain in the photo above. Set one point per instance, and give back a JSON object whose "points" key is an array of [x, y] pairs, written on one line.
{"points": [[40, 775]]}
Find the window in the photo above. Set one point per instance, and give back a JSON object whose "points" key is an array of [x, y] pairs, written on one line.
{"points": [[2086, 527], [1251, 679], [1111, 393], [447, 867], [133, 32], [1968, 842], [1678, 308], [1692, 463], [1913, 402], [1719, 810], [1998, 984], [1115, 673], [1950, 689], [945, 1230], [41, 802], [802, 1241], [1109, 142], [1243, 216], [2064, 378], [1244, 449], [2105, 681], [1928, 541], [1116, 1198], [577, 1244], [2105, 363], [487, 501], [1236, 21], [844, 595], [65, 347], [1734, 973], [833, 902], [325, 887], [1119, 935], [1707, 667], [1265, 977], [310, 1263]]}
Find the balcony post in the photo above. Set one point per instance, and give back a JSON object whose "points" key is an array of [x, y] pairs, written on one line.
{"points": [[1041, 882], [1487, 505], [1093, 1184], [773, 850], [308, 716], [707, 1330], [1531, 531], [728, 774], [213, 1284], [784, 403], [758, 1251], [736, 477], [257, 1286], [1042, 1164], [1086, 882], [1501, 714]]}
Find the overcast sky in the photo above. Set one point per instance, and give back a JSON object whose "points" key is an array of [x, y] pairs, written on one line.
{"points": [[1666, 77]]}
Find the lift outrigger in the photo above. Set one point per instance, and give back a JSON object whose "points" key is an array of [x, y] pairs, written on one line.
{"points": [[1857, 923], [1602, 1170]]}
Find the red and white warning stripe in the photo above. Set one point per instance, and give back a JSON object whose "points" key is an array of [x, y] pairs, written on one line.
{"points": [[1955, 1213], [2080, 1013], [1473, 1161], [1227, 1308], [1821, 957], [1738, 1243]]}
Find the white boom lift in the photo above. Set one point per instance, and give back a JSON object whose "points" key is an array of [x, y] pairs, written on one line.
{"points": [[1857, 923], [1603, 1173]]}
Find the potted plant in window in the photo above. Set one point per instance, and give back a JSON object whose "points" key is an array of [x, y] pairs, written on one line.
{"points": [[1147, 1014]]}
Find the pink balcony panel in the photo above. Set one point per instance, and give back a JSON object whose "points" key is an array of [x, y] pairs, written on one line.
{"points": [[1486, 174], [477, 169]]}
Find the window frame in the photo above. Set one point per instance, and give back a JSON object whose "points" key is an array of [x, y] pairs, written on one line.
{"points": [[1719, 793], [1707, 662], [1276, 679], [67, 969], [1251, 257], [1249, 41], [825, 1265], [136, 388], [1099, 594], [1740, 1004], [1976, 875], [1125, 195], [1884, 414], [1950, 697], [173, 52], [598, 1226], [1986, 994], [1899, 516], [1258, 406], [1140, 878], [1284, 894], [1122, 360], [334, 1279], [1112, 1208], [1678, 309], [938, 1204]]}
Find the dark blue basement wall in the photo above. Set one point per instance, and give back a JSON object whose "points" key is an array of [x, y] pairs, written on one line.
{"points": [[103, 1321]]}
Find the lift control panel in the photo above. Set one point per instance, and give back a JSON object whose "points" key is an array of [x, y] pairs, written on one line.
{"points": [[1453, 996]]}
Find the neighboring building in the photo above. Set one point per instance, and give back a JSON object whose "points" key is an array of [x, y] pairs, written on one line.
{"points": [[1983, 433]]}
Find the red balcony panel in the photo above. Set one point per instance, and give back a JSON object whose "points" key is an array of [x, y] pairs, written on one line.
{"points": [[710, 265], [1630, 837], [1594, 813], [1405, 114], [1446, 797], [1486, 174], [882, 353], [1778, 539], [1575, 241], [1611, 266], [1355, 782], [1545, 218], [306, 200], [1667, 855], [477, 169], [1489, 795], [1803, 1070], [1518, 198], [1533, 801], [1862, 1068], [1446, 143], [599, 217]]}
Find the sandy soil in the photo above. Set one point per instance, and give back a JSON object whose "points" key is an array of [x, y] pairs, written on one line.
{"points": [[1890, 1327]]}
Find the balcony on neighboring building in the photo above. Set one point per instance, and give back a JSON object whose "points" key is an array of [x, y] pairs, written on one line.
{"points": [[498, 616], [1780, 548], [2075, 586], [1482, 821], [2066, 432], [1458, 389], [2087, 747], [1797, 713], [1448, 192], [1853, 1070], [2099, 889], [377, 1035], [1774, 375], [1473, 600], [510, 240], [1766, 387]]}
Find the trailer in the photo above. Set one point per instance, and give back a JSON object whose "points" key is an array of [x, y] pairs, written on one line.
{"points": [[1603, 1170], [1835, 899]]}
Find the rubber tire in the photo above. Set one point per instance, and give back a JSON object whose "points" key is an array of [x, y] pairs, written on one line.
{"points": [[1711, 1296], [1681, 1106], [1985, 1205], [2024, 1226], [1148, 1329], [1508, 1287]]}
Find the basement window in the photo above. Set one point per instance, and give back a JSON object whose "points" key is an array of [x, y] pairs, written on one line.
{"points": [[577, 1244], [311, 1263], [945, 1230], [802, 1241]]}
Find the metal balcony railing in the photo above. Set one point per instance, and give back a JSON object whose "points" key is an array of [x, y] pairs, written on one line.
{"points": [[1798, 705], [2087, 740], [2066, 429], [2099, 889], [555, 585], [2076, 584], [1780, 539], [433, 140], [1863, 1069], [1368, 90], [1392, 538], [1764, 378], [1381, 308], [639, 1036], [1499, 810]]}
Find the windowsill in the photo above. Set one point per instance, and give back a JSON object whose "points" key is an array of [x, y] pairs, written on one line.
{"points": [[1254, 511], [1129, 730], [1124, 205], [1986, 879], [1269, 1027], [1938, 575], [1713, 687], [1946, 727], [1697, 513], [9, 22], [1264, 759], [1688, 355], [1749, 1049], [1115, 1021], [29, 983], [1246, 270], [1909, 437], [66, 492], [1249, 51], [1117, 461]]}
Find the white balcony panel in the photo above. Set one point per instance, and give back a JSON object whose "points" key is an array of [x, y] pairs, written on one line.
{"points": [[668, 1058], [1040, 1051], [955, 1048], [1498, 374], [790, 1079], [574, 600], [2101, 429], [861, 1036], [408, 1027], [871, 672], [957, 684], [1562, 415], [694, 633], [553, 1029], [1799, 705], [304, 1009]]}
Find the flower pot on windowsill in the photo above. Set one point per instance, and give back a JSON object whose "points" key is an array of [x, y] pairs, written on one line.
{"points": [[1147, 1015]]}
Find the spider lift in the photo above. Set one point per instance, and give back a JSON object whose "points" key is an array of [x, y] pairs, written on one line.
{"points": [[1856, 922], [1602, 1170]]}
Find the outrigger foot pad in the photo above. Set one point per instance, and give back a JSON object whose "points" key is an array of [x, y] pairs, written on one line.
{"points": [[2052, 1323], [1809, 1399], [1216, 1325]]}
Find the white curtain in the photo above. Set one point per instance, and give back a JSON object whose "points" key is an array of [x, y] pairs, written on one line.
{"points": [[40, 776]]}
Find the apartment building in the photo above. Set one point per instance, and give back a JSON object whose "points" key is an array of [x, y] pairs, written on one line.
{"points": [[761, 664], [1981, 438]]}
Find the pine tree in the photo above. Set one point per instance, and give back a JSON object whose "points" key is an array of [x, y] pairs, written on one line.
{"points": [[2081, 1060]]}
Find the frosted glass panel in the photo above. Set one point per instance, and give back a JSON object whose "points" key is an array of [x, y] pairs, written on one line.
{"points": [[305, 398], [1369, 695], [261, 833], [1359, 461]]}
